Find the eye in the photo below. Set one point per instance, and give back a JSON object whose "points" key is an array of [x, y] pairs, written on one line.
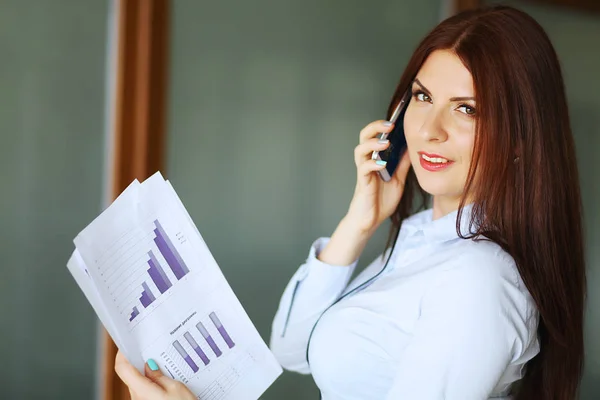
{"points": [[466, 109], [421, 96]]}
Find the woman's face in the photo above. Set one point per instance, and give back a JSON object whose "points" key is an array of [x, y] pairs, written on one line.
{"points": [[439, 125]]}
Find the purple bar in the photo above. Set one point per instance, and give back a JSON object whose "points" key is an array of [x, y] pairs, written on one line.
{"points": [[145, 300], [148, 291], [169, 252], [157, 274], [209, 339], [221, 329], [185, 356], [196, 348], [147, 296], [171, 246], [191, 363], [202, 355], [213, 346], [226, 337], [134, 313], [157, 278]]}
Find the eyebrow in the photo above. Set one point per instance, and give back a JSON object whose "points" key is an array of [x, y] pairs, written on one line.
{"points": [[428, 93]]}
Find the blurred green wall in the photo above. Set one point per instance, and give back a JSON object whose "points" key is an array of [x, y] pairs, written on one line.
{"points": [[51, 155], [267, 100]]}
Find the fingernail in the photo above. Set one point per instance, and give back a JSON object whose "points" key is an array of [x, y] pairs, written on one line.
{"points": [[380, 162], [152, 364], [388, 123], [383, 141]]}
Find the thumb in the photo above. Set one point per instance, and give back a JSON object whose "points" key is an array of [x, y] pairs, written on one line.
{"points": [[137, 384], [154, 373]]}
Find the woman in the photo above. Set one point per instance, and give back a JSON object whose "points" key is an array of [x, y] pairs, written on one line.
{"points": [[482, 295]]}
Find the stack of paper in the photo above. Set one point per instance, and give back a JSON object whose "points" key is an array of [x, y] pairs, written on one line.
{"points": [[148, 274]]}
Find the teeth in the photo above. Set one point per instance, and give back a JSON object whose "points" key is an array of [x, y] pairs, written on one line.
{"points": [[434, 159]]}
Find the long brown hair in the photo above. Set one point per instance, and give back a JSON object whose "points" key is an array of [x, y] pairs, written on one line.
{"points": [[528, 200]]}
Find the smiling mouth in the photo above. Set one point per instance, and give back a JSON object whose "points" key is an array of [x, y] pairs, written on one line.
{"points": [[434, 162], [434, 158]]}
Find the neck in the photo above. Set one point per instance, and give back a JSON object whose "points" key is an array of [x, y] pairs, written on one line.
{"points": [[444, 205]]}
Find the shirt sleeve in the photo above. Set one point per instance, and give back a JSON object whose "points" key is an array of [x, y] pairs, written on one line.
{"points": [[473, 324], [313, 288]]}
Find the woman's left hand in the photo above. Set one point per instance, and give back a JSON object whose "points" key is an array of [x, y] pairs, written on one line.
{"points": [[153, 386]]}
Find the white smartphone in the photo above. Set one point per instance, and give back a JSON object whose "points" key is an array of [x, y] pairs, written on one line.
{"points": [[394, 151]]}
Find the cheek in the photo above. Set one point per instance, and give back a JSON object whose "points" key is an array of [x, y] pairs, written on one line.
{"points": [[412, 123], [466, 143]]}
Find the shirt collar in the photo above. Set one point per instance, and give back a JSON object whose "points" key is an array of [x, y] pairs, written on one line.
{"points": [[442, 229]]}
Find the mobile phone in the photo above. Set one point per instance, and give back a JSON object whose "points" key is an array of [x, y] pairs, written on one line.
{"points": [[397, 146]]}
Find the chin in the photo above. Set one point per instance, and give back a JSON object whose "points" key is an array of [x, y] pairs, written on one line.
{"points": [[438, 187]]}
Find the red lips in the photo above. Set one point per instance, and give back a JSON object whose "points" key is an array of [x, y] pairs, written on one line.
{"points": [[433, 167]]}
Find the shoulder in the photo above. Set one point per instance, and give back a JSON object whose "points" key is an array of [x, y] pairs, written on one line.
{"points": [[486, 280], [484, 261], [483, 267]]}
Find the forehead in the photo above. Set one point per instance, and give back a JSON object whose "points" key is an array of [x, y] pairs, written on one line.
{"points": [[443, 73]]}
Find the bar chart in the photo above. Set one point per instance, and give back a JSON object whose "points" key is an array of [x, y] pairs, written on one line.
{"points": [[156, 271], [203, 344]]}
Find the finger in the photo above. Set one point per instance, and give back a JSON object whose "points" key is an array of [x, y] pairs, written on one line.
{"points": [[402, 169], [364, 151], [367, 168], [154, 373], [136, 382], [373, 129]]}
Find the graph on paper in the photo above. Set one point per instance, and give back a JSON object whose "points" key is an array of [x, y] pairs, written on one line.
{"points": [[148, 274], [198, 346], [156, 272], [155, 266]]}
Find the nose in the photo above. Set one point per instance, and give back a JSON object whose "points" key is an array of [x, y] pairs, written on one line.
{"points": [[433, 128]]}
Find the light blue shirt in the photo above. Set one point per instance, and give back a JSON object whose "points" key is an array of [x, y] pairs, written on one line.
{"points": [[448, 318]]}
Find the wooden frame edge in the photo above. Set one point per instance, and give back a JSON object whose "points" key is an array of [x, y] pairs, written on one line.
{"points": [[139, 120]]}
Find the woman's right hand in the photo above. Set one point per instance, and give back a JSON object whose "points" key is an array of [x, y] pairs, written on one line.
{"points": [[153, 386], [375, 200]]}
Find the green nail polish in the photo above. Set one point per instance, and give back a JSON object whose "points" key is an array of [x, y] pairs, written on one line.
{"points": [[380, 162], [152, 364]]}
